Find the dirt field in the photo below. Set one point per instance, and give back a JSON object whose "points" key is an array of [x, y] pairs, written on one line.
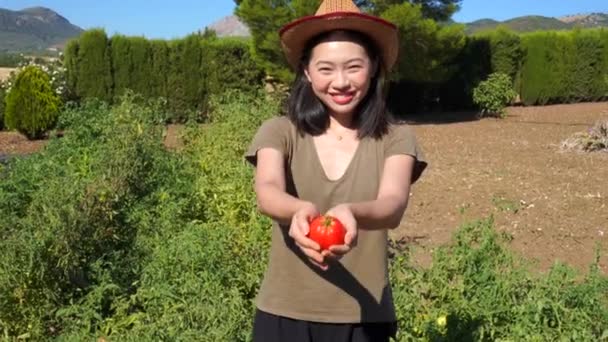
{"points": [[553, 203], [5, 72]]}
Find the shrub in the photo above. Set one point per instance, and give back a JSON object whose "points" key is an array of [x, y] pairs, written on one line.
{"points": [[2, 96], [507, 52], [478, 290], [31, 104], [10, 60], [494, 94], [105, 235], [93, 72], [53, 68], [70, 215]]}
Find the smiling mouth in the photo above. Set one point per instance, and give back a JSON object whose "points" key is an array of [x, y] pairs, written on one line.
{"points": [[342, 99]]}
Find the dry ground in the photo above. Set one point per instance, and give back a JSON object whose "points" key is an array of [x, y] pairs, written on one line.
{"points": [[554, 204], [4, 73]]}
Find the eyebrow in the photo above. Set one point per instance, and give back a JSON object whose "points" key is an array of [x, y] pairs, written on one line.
{"points": [[356, 59]]}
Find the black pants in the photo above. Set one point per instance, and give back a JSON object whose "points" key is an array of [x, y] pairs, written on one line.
{"points": [[271, 328]]}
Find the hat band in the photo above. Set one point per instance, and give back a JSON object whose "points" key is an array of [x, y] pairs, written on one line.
{"points": [[337, 14]]}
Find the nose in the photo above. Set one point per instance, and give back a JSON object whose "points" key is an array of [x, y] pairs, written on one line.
{"points": [[341, 81]]}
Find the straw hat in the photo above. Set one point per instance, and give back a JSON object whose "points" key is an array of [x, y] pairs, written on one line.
{"points": [[339, 15]]}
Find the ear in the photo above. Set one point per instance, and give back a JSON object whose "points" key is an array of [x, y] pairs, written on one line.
{"points": [[307, 74]]}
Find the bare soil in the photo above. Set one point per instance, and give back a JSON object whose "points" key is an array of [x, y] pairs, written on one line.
{"points": [[5, 72], [553, 203], [13, 143]]}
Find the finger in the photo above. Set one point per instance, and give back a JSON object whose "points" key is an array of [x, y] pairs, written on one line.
{"points": [[350, 239], [322, 266], [339, 249], [304, 242], [314, 255], [304, 225], [331, 256]]}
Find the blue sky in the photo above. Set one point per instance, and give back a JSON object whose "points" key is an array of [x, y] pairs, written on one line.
{"points": [[177, 18]]}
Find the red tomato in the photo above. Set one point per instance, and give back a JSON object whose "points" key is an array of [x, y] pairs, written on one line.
{"points": [[327, 231]]}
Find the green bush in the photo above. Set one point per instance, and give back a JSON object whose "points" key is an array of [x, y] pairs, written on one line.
{"points": [[185, 72], [160, 64], [186, 83], [2, 105], [585, 68], [11, 60], [604, 39], [564, 67], [114, 256], [93, 66], [53, 68], [474, 65], [230, 66], [478, 290], [131, 65], [71, 215], [107, 234], [494, 94], [71, 65], [31, 104]]}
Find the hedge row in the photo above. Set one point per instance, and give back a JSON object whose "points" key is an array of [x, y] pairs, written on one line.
{"points": [[564, 67], [183, 71], [545, 67]]}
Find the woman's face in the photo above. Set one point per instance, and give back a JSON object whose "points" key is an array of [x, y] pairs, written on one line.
{"points": [[340, 72]]}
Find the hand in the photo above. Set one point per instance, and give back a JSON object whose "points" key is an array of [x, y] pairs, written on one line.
{"points": [[298, 230], [344, 213]]}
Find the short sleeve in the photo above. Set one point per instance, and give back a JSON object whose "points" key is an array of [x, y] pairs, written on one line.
{"points": [[402, 140], [273, 133]]}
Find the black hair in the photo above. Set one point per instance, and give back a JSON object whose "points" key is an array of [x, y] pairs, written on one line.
{"points": [[310, 115]]}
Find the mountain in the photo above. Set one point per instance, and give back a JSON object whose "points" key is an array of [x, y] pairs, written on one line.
{"points": [[587, 20], [230, 26], [35, 28], [535, 23]]}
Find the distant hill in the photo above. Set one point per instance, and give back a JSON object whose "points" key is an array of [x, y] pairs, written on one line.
{"points": [[535, 23], [230, 26], [34, 29]]}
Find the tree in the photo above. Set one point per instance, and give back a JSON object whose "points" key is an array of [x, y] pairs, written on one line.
{"points": [[427, 49], [32, 105], [438, 10], [265, 18], [2, 95], [94, 77]]}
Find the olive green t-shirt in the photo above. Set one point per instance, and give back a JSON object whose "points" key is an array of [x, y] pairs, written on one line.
{"points": [[356, 288]]}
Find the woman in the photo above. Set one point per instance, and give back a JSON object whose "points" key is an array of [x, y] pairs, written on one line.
{"points": [[337, 152]]}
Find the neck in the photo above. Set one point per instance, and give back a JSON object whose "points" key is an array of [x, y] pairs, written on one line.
{"points": [[341, 122], [342, 127]]}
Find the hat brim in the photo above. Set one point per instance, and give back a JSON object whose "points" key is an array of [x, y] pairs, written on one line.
{"points": [[295, 35]]}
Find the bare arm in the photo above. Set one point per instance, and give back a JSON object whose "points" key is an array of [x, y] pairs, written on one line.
{"points": [[272, 200], [275, 202]]}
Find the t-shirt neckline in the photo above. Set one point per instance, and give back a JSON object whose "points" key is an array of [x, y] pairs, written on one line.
{"points": [[319, 165]]}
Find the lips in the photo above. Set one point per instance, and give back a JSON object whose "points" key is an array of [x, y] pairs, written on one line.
{"points": [[342, 99]]}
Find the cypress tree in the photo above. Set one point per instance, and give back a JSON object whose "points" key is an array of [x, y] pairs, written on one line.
{"points": [[94, 69]]}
